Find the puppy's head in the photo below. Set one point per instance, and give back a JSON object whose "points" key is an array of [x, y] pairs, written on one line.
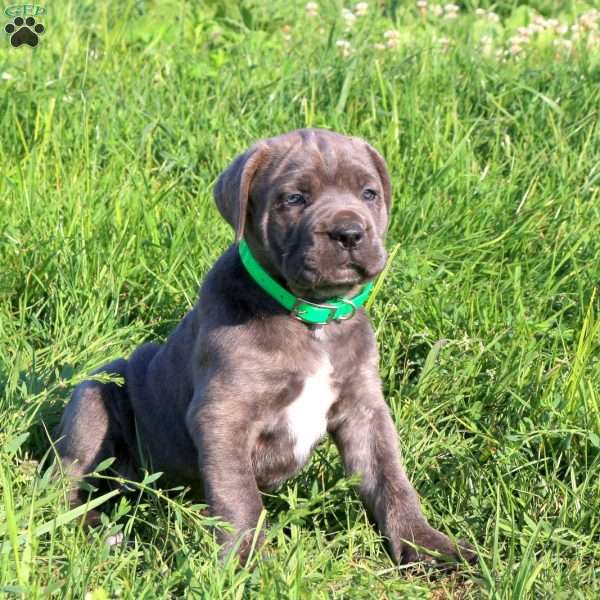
{"points": [[313, 206]]}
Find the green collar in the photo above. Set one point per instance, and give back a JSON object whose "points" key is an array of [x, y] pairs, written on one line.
{"points": [[334, 309]]}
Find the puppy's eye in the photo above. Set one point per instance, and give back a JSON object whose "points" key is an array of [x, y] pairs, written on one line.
{"points": [[369, 194], [295, 199]]}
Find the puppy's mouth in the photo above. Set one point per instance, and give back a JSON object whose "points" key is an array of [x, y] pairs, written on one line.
{"points": [[311, 284]]}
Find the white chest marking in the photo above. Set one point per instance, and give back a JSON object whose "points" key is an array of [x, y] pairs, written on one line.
{"points": [[307, 414]]}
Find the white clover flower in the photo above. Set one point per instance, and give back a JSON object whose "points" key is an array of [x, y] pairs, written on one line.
{"points": [[450, 11], [422, 5], [524, 32], [378, 46], [444, 43], [518, 41], [312, 9], [589, 20], [437, 10], [480, 12], [562, 29], [492, 16], [392, 38], [349, 18], [515, 49], [344, 48], [486, 43], [6, 76], [361, 9]]}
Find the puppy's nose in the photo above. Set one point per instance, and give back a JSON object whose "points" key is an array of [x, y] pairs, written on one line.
{"points": [[349, 235]]}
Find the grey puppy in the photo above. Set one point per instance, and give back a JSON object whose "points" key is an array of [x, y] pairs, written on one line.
{"points": [[236, 399]]}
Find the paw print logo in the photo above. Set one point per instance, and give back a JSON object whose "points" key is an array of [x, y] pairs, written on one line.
{"points": [[24, 31]]}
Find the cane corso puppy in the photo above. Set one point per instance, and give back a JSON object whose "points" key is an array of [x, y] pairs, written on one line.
{"points": [[257, 373]]}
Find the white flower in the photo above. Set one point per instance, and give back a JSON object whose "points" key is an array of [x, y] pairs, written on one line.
{"points": [[422, 3], [492, 16], [6, 76], [589, 20], [515, 49], [437, 10], [349, 18], [378, 46], [517, 42], [480, 12], [392, 38], [344, 48], [486, 43], [312, 9], [450, 11], [524, 32], [361, 9], [444, 43]]}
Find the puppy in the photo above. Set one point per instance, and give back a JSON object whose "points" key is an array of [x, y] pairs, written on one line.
{"points": [[276, 353]]}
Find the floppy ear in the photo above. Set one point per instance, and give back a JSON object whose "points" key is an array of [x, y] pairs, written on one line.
{"points": [[233, 187], [382, 170]]}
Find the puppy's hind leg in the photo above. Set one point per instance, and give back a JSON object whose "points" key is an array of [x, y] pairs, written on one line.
{"points": [[96, 424]]}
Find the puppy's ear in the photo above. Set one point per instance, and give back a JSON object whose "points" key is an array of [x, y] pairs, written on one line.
{"points": [[384, 175], [233, 187]]}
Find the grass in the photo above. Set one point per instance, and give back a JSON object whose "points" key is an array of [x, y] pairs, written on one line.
{"points": [[114, 130]]}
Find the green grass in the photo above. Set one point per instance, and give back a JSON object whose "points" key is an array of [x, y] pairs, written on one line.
{"points": [[113, 132]]}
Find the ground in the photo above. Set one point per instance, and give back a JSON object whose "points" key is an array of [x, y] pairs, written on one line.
{"points": [[114, 129]]}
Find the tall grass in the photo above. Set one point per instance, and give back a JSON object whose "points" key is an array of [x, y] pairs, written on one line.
{"points": [[113, 131]]}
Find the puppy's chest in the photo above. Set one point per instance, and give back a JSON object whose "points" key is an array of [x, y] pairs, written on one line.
{"points": [[306, 416]]}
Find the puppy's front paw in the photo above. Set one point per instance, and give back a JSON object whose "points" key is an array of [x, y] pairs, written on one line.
{"points": [[421, 542]]}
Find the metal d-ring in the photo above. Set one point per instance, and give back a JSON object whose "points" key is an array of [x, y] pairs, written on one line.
{"points": [[352, 312]]}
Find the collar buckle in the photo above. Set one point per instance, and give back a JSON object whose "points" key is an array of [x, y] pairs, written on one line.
{"points": [[296, 311]]}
